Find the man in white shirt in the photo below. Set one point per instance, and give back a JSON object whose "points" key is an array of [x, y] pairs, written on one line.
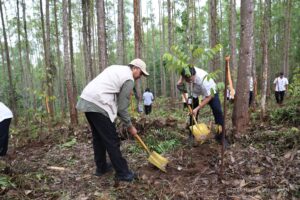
{"points": [[281, 85], [205, 87], [148, 98], [5, 118]]}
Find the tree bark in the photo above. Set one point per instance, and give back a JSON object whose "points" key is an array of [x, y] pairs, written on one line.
{"points": [[121, 37], [74, 85], [59, 66], [46, 45], [102, 47], [137, 42], [162, 47], [265, 64], [67, 65], [240, 116], [86, 35], [28, 64], [232, 34], [23, 72], [214, 38], [287, 37], [172, 77]]}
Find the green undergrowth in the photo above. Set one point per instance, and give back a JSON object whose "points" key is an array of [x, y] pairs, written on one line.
{"points": [[289, 114], [159, 140]]}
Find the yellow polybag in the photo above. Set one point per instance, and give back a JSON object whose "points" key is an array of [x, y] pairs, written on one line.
{"points": [[200, 132]]}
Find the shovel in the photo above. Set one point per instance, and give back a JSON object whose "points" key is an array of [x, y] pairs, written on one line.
{"points": [[154, 158], [200, 131]]}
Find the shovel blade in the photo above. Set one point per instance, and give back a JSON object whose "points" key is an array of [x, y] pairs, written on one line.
{"points": [[159, 161]]}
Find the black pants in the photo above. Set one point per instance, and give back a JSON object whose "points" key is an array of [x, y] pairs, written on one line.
{"points": [[216, 108], [250, 97], [4, 135], [105, 138], [148, 109], [279, 95]]}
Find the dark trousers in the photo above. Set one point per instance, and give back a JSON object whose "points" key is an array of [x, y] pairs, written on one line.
{"points": [[216, 108], [4, 135], [148, 109], [250, 97], [105, 138], [279, 96]]}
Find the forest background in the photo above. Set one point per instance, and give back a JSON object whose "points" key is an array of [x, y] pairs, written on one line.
{"points": [[51, 49]]}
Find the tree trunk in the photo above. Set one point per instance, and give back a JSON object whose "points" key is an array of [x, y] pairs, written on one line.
{"points": [[102, 47], [86, 35], [162, 70], [67, 65], [12, 95], [172, 77], [240, 116], [59, 66], [287, 39], [28, 64], [74, 85], [23, 72], [232, 35], [265, 64], [121, 37], [46, 44], [214, 38], [137, 42], [153, 54]]}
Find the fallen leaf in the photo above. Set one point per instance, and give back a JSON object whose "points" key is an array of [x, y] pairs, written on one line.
{"points": [[27, 192], [242, 183], [232, 159], [288, 155]]}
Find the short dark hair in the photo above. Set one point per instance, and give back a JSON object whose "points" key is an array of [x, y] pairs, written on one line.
{"points": [[147, 90], [281, 73], [188, 71]]}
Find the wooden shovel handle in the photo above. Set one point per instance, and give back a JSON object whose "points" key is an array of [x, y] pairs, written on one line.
{"points": [[190, 109], [142, 143]]}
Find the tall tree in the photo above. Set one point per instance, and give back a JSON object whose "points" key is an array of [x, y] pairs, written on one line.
{"points": [[28, 68], [287, 34], [162, 48], [137, 42], [214, 36], [121, 36], [67, 65], [172, 77], [74, 85], [232, 35], [12, 95], [240, 116], [265, 57], [59, 64], [46, 45], [23, 74], [153, 51], [102, 46], [86, 35]]}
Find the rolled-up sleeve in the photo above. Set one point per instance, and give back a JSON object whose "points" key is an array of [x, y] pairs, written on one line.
{"points": [[124, 101]]}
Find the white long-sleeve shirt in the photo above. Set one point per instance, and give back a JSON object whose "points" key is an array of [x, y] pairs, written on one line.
{"points": [[5, 112]]}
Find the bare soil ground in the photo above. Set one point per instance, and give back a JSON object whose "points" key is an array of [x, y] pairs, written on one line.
{"points": [[256, 166]]}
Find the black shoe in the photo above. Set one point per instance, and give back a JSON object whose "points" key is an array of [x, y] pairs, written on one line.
{"points": [[108, 168], [128, 177]]}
